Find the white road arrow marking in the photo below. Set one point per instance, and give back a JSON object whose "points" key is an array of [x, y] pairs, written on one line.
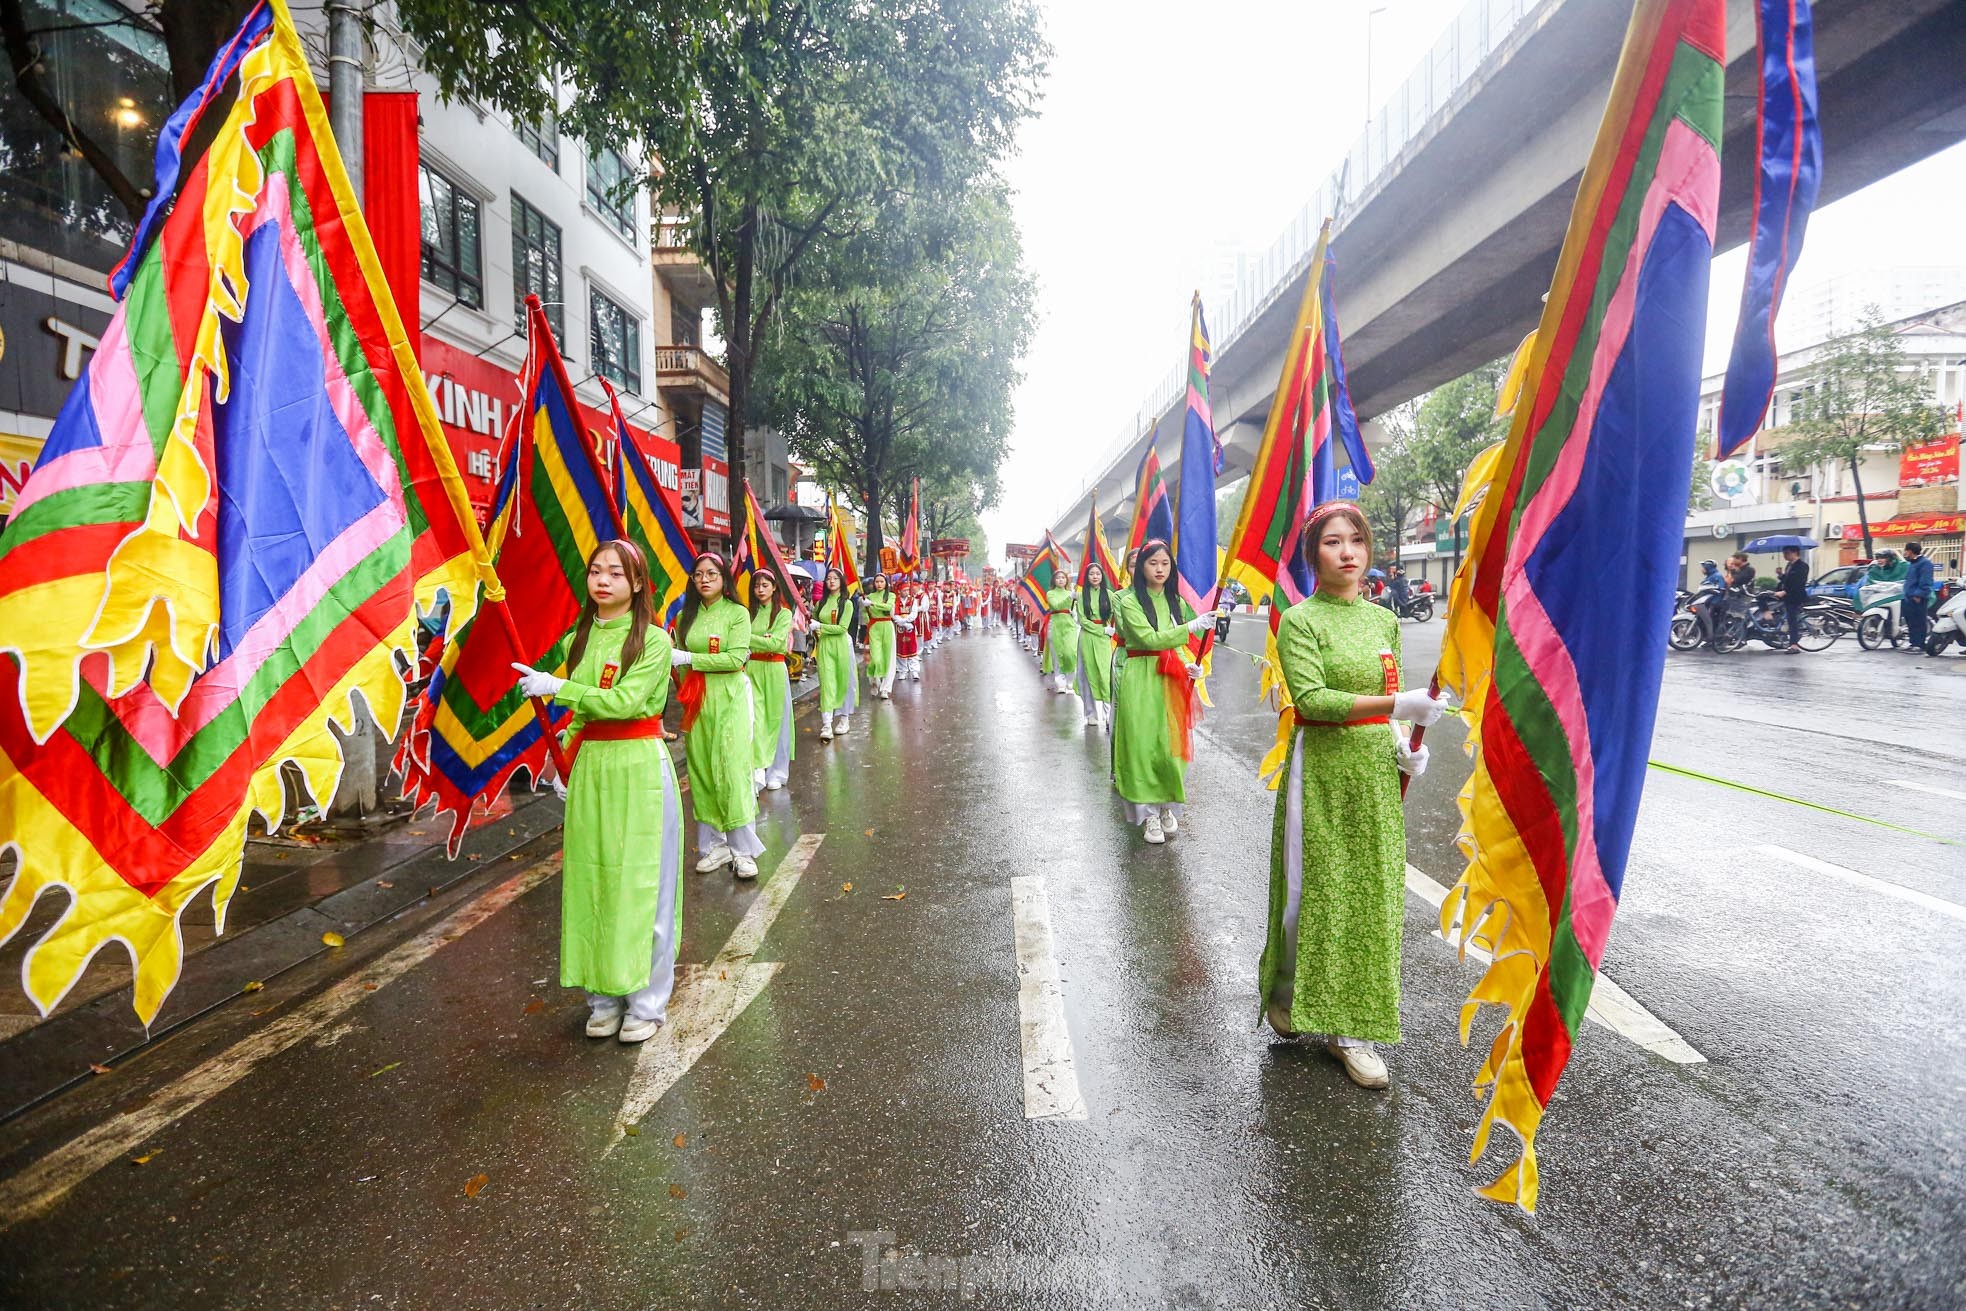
{"points": [[709, 997]]}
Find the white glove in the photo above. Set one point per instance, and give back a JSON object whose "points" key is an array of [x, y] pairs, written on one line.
{"points": [[534, 683], [1417, 706], [559, 789], [1200, 622], [1412, 759], [1194, 671], [679, 658]]}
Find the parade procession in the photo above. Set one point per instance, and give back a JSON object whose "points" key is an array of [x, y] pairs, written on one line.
{"points": [[668, 761]]}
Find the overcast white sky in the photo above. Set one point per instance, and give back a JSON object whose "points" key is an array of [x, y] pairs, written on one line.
{"points": [[1170, 127]]}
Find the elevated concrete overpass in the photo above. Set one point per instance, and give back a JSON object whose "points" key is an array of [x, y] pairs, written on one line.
{"points": [[1452, 206]]}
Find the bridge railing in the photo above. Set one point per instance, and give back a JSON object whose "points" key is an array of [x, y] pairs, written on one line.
{"points": [[1476, 32]]}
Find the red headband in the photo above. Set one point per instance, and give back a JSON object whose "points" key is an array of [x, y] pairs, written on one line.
{"points": [[1322, 512]]}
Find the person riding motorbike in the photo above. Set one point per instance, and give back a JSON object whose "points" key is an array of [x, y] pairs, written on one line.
{"points": [[1401, 589], [1710, 575]]}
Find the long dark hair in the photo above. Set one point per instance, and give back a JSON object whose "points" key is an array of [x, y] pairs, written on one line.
{"points": [[1169, 592], [777, 594], [693, 599], [1105, 610], [641, 606], [845, 615]]}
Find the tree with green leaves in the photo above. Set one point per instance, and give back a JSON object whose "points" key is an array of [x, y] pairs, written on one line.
{"points": [[1861, 395], [1451, 425], [900, 352], [819, 114]]}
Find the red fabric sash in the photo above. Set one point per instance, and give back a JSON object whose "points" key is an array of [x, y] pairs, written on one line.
{"points": [[768, 657], [690, 697], [614, 730], [1338, 723], [1180, 697]]}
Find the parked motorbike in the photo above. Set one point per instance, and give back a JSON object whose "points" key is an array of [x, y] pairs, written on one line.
{"points": [[1709, 621], [1880, 620], [1419, 605], [1949, 623]]}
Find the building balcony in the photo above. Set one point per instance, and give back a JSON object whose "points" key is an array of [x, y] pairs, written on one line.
{"points": [[685, 368], [681, 269]]}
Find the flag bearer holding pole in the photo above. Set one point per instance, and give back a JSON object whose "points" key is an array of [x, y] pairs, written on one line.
{"points": [[621, 902], [1330, 964]]}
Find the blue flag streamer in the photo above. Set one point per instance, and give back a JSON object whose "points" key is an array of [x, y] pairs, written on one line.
{"points": [[1789, 147]]}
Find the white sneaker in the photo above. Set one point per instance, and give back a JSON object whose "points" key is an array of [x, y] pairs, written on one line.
{"points": [[757, 779], [714, 859], [1092, 719], [1170, 823], [1362, 1064], [747, 868], [825, 730], [604, 1025], [1153, 830], [839, 725], [634, 1030], [774, 784]]}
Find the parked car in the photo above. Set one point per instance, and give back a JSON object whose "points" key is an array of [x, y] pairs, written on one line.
{"points": [[1842, 581]]}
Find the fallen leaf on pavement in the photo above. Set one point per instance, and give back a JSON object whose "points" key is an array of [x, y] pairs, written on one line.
{"points": [[870, 833], [254, 986], [678, 1192], [897, 894], [104, 1069], [333, 939], [815, 1083], [846, 887], [535, 1006], [682, 1140], [384, 883], [632, 1130], [145, 1158], [476, 1184]]}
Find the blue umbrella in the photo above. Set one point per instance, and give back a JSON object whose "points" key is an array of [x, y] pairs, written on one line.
{"points": [[1375, 573], [1780, 542]]}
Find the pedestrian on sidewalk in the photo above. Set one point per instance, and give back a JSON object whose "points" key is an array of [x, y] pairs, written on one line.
{"points": [[1095, 673], [621, 902], [1917, 603], [1794, 587], [838, 678], [1330, 964], [771, 688], [713, 643], [879, 604], [1061, 640], [1153, 714]]}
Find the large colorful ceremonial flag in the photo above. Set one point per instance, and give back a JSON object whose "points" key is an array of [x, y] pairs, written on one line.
{"points": [[652, 516], [1153, 510], [1201, 459], [1096, 550], [1049, 570], [1788, 173], [839, 549], [758, 549], [551, 510], [1557, 623], [219, 549]]}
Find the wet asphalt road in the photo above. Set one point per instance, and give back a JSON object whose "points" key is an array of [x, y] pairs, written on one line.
{"points": [[874, 1085]]}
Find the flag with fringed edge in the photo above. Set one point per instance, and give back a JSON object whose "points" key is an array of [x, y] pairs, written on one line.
{"points": [[839, 549], [758, 549], [911, 531], [1096, 550], [473, 729], [652, 516], [1153, 510], [1201, 459], [1557, 622], [224, 540]]}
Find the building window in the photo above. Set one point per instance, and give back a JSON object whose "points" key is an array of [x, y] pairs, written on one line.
{"points": [[542, 138], [450, 238], [616, 342], [607, 172], [536, 266]]}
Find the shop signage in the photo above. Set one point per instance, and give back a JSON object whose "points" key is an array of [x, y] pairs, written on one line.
{"points": [[1918, 525], [1930, 464]]}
